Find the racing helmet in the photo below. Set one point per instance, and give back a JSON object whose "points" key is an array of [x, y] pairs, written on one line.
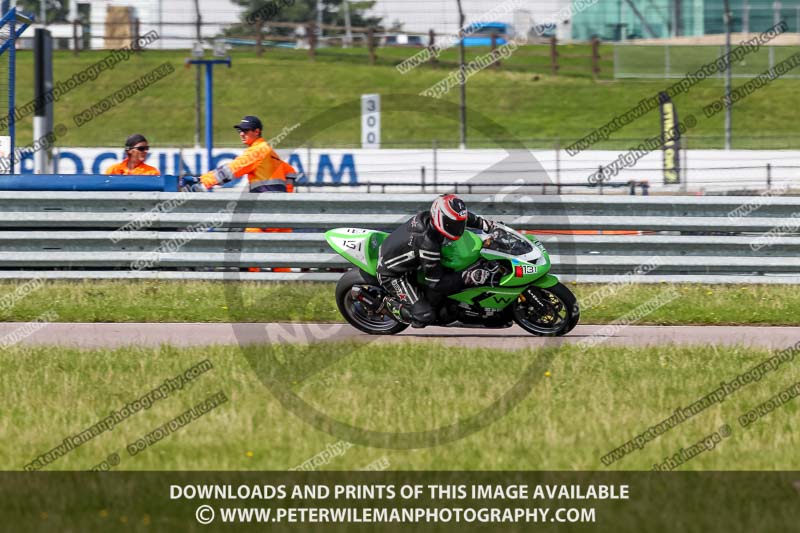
{"points": [[449, 216]]}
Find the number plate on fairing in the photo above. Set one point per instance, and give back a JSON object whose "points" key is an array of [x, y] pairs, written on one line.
{"points": [[355, 246]]}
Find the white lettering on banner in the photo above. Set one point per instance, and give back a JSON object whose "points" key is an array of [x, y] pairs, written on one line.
{"points": [[358, 166]]}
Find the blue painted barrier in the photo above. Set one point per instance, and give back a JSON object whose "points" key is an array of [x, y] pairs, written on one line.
{"points": [[88, 182]]}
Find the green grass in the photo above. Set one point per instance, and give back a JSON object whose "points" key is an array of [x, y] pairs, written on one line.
{"points": [[177, 301], [588, 404], [651, 60], [166, 301], [580, 406], [285, 88]]}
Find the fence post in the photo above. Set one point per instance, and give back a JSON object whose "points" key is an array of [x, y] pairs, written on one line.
{"points": [[558, 164], [595, 58], [312, 40], [432, 47], [309, 172], [553, 56], [75, 43], [422, 176], [497, 63], [259, 38], [769, 176], [435, 164], [600, 176], [371, 45], [136, 47]]}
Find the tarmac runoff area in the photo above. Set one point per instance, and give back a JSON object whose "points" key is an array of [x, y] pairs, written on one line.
{"points": [[105, 335]]}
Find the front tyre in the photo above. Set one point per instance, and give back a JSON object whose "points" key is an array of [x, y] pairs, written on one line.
{"points": [[550, 312], [359, 313]]}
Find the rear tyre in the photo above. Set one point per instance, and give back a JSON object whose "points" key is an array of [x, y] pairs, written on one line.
{"points": [[550, 312], [360, 315]]}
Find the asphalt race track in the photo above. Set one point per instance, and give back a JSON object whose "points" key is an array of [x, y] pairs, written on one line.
{"points": [[102, 335]]}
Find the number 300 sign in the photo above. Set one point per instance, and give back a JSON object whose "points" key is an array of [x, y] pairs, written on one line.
{"points": [[370, 121]]}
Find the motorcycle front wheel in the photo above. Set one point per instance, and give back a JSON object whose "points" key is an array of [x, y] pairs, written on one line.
{"points": [[550, 312]]}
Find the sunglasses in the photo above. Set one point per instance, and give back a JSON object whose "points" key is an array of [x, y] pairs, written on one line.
{"points": [[141, 148]]}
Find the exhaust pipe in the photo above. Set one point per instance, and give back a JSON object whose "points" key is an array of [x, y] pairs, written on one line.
{"points": [[360, 295]]}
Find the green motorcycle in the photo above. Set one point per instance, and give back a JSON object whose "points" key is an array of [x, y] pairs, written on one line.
{"points": [[527, 294]]}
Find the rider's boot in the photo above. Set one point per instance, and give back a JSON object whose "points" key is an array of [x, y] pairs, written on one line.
{"points": [[401, 313]]}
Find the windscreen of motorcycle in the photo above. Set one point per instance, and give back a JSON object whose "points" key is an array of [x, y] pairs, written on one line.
{"points": [[504, 240]]}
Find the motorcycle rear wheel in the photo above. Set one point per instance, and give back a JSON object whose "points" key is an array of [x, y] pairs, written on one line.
{"points": [[357, 313]]}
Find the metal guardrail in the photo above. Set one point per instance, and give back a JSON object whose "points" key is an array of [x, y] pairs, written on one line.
{"points": [[71, 235], [500, 203], [474, 187]]}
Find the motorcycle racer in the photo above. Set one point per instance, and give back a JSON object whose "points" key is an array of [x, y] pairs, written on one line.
{"points": [[415, 246]]}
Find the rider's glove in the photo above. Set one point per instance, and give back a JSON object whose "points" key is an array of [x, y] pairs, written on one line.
{"points": [[486, 225], [486, 274]]}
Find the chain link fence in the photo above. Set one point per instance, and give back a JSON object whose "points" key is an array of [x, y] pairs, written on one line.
{"points": [[669, 61]]}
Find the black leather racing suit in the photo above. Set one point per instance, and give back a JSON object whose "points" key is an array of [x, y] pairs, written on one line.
{"points": [[414, 246]]}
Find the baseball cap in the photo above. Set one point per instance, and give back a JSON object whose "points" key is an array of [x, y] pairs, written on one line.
{"points": [[249, 123]]}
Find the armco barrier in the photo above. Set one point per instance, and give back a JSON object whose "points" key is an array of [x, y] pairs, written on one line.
{"points": [[71, 235]]}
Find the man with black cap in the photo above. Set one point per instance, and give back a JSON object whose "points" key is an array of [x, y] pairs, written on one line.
{"points": [[259, 162], [136, 147]]}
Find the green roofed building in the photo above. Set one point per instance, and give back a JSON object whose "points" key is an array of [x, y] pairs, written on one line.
{"points": [[612, 20]]}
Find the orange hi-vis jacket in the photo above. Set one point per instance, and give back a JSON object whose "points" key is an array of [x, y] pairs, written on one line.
{"points": [[287, 171], [259, 163], [122, 169]]}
